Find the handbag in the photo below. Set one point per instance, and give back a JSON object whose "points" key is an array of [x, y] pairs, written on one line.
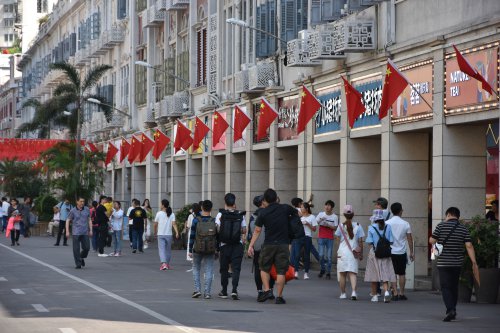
{"points": [[437, 249], [357, 252]]}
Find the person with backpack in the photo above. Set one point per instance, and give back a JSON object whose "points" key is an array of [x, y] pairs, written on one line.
{"points": [[379, 266], [203, 248], [138, 217], [276, 218], [232, 227], [64, 208], [164, 223]]}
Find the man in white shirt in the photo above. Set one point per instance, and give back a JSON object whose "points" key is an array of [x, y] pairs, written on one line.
{"points": [[401, 232], [232, 228], [4, 209]]}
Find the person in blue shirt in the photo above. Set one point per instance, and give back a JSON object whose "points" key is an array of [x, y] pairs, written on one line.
{"points": [[64, 208], [379, 269]]}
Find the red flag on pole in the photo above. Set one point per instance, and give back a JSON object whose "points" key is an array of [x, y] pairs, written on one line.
{"points": [[355, 106], [92, 147], [146, 146], [267, 114], [466, 67], [309, 105], [394, 84], [200, 131], [241, 121], [124, 149], [161, 142], [112, 151], [135, 149], [220, 126], [183, 139]]}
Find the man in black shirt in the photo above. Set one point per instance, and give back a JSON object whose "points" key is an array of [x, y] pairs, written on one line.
{"points": [[139, 218], [275, 251], [452, 235], [101, 219]]}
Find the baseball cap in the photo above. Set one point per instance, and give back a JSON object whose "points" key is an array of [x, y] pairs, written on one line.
{"points": [[378, 214], [348, 209], [382, 201]]}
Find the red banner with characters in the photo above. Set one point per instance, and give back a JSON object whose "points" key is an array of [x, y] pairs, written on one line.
{"points": [[24, 149]]}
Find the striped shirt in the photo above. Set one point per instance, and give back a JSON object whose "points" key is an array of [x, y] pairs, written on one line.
{"points": [[453, 249]]}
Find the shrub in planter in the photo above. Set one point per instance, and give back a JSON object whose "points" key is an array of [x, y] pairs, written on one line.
{"points": [[484, 235], [181, 217]]}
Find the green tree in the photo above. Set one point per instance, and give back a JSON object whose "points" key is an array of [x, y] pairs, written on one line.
{"points": [[21, 179], [73, 178]]}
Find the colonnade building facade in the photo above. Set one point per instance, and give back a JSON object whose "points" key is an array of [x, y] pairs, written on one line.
{"points": [[432, 152]]}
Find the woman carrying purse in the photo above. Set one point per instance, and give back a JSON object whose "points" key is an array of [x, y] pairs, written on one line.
{"points": [[350, 235]]}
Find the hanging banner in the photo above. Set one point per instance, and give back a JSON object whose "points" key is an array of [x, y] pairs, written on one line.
{"points": [[288, 116], [25, 149], [464, 93], [328, 117], [371, 90]]}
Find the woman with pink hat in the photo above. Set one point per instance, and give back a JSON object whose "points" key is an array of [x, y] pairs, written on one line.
{"points": [[350, 235]]}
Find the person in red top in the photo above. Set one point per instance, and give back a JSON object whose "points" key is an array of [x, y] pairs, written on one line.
{"points": [[328, 223]]}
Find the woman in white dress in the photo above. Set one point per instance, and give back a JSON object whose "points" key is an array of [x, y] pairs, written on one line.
{"points": [[350, 235]]}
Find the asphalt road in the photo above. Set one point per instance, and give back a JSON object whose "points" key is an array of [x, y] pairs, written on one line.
{"points": [[41, 291]]}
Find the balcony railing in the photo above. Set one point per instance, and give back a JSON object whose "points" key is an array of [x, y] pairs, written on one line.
{"points": [[176, 4], [241, 81], [262, 75], [354, 35], [115, 35], [152, 17], [117, 121], [161, 4], [322, 44], [299, 51]]}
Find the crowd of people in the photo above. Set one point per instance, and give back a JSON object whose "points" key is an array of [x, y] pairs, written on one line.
{"points": [[279, 237]]}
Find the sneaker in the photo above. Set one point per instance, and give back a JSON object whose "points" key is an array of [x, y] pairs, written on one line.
{"points": [[343, 296], [163, 267], [207, 296], [328, 276], [306, 276], [264, 296], [374, 298], [450, 316], [102, 255], [321, 273], [78, 267], [118, 254], [402, 298], [112, 254], [82, 262], [234, 296], [134, 251], [296, 275], [280, 300], [56, 244], [196, 294], [223, 294], [141, 251], [354, 296], [272, 295], [387, 297], [169, 267]]}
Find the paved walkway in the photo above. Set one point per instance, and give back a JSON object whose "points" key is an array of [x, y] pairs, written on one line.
{"points": [[40, 291]]}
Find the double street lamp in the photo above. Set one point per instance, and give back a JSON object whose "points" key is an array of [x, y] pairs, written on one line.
{"points": [[96, 101]]}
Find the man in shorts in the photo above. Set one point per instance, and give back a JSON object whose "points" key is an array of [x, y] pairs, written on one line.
{"points": [[275, 251]]}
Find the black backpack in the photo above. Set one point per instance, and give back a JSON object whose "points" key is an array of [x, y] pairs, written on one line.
{"points": [[383, 249], [295, 226], [230, 226], [206, 236]]}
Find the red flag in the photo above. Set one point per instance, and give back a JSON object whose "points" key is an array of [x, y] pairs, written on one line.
{"points": [[466, 67], [112, 151], [161, 142], [241, 121], [267, 114], [220, 126], [355, 106], [92, 147], [124, 149], [183, 139], [146, 146], [135, 149], [394, 84], [309, 105], [200, 131]]}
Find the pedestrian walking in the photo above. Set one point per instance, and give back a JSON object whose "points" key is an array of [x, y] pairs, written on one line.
{"points": [[64, 208], [379, 265], [232, 227], [79, 218], [146, 237], [117, 226], [5, 212], [109, 205], [139, 217], [350, 235], [55, 222], [194, 211], [164, 223], [14, 224], [401, 232], [257, 201], [452, 235], [130, 221], [203, 249], [95, 226], [328, 222], [25, 210], [102, 219], [309, 222], [275, 251]]}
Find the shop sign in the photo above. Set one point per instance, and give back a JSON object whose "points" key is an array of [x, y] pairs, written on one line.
{"points": [[371, 91], [288, 116], [328, 117]]}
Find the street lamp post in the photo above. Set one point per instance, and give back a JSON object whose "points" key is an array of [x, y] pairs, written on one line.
{"points": [[96, 101], [243, 24]]}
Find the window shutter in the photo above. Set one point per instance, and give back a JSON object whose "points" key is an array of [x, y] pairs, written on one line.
{"points": [[96, 25], [330, 9], [122, 9], [72, 49]]}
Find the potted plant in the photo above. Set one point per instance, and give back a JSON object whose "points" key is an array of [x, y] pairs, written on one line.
{"points": [[181, 217], [484, 235]]}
